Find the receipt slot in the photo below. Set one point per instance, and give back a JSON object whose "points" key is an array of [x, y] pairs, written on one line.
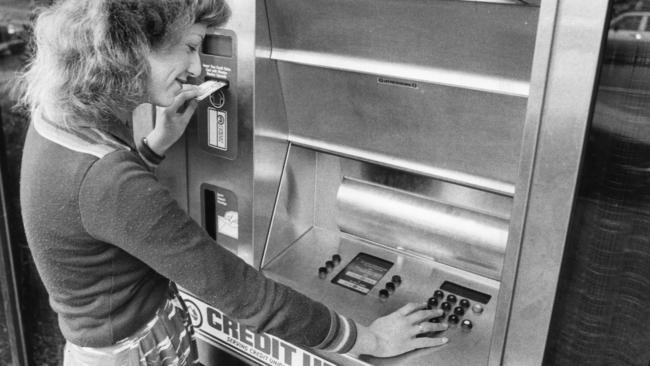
{"points": [[217, 113]]}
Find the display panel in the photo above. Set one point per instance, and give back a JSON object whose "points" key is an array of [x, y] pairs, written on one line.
{"points": [[362, 273], [217, 45], [465, 292]]}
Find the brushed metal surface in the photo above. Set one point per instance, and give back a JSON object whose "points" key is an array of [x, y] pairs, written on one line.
{"points": [[453, 235], [470, 37], [571, 34], [298, 268], [430, 75], [474, 134], [269, 135]]}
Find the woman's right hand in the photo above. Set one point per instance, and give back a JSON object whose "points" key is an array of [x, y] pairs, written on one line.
{"points": [[396, 333]]}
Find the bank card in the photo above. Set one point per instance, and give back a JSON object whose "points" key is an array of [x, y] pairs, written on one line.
{"points": [[209, 87]]}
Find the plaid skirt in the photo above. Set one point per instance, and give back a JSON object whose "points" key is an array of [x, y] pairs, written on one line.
{"points": [[167, 340]]}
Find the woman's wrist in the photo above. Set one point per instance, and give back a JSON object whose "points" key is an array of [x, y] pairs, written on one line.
{"points": [[157, 143], [366, 344]]}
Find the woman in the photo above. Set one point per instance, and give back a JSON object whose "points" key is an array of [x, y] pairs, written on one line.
{"points": [[106, 237]]}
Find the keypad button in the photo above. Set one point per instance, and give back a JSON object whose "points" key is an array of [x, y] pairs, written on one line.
{"points": [[459, 310], [329, 265], [477, 308], [466, 324], [432, 303], [322, 272], [445, 306], [397, 280], [336, 259], [464, 303], [451, 298], [453, 319], [439, 294], [383, 294], [390, 287]]}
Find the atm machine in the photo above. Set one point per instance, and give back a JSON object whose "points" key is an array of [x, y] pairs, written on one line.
{"points": [[370, 153]]}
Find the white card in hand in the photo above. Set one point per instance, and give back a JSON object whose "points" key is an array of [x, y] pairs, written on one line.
{"points": [[209, 87]]}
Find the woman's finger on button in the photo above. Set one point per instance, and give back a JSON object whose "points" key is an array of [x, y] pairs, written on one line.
{"points": [[410, 308], [422, 315], [426, 327]]}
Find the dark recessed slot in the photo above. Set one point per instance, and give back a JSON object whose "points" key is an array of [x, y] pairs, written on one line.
{"points": [[210, 212]]}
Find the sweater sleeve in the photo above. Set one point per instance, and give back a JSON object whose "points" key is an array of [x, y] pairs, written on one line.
{"points": [[122, 203]]}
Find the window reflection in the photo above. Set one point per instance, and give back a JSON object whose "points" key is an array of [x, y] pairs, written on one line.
{"points": [[601, 313]]}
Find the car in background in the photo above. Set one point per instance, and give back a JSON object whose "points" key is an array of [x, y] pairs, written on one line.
{"points": [[628, 39], [15, 25]]}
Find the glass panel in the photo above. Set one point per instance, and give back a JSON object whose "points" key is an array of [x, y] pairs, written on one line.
{"points": [[601, 314], [627, 22]]}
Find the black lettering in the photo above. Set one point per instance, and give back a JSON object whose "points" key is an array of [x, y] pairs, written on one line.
{"points": [[246, 335], [230, 327], [288, 353], [212, 316], [275, 349], [262, 343]]}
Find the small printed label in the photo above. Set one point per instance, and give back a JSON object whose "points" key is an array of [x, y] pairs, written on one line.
{"points": [[216, 328], [406, 84], [227, 214], [218, 129], [217, 71], [362, 273]]}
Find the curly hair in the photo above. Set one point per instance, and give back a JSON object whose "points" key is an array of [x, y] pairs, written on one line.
{"points": [[90, 59]]}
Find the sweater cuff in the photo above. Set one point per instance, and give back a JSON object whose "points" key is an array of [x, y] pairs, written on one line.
{"points": [[342, 335], [149, 156]]}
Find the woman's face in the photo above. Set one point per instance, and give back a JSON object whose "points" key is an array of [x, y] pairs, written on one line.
{"points": [[171, 66]]}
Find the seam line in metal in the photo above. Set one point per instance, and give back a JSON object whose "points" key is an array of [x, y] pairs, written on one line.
{"points": [[465, 179], [430, 75]]}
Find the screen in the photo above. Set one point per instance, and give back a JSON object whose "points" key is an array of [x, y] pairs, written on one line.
{"points": [[362, 273], [217, 45], [465, 292]]}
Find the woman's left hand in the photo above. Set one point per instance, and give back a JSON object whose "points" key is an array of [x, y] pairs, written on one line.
{"points": [[171, 121]]}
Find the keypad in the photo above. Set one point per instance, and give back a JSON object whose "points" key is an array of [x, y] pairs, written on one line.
{"points": [[454, 308]]}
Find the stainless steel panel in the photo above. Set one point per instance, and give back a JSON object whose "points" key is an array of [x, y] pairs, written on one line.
{"points": [[235, 175], [449, 234], [471, 37], [571, 34], [294, 208], [270, 143], [298, 267], [472, 135]]}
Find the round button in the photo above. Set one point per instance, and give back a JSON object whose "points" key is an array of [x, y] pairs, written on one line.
{"points": [[439, 294], [432, 303], [390, 287], [336, 259], [459, 310], [329, 265], [464, 303], [383, 294], [451, 298], [477, 308], [466, 324], [322, 272], [453, 319], [397, 280], [445, 306]]}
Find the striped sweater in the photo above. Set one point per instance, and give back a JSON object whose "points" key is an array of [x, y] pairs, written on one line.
{"points": [[107, 237]]}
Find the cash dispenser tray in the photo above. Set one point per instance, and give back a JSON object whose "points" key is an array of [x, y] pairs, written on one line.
{"points": [[365, 239]]}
